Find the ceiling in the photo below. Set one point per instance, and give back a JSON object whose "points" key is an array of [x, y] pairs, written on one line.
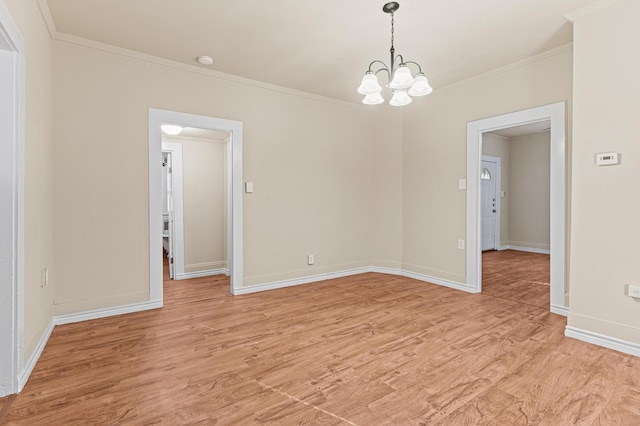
{"points": [[194, 132], [524, 130], [324, 47]]}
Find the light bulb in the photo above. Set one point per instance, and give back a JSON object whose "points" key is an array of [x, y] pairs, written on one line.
{"points": [[171, 129]]}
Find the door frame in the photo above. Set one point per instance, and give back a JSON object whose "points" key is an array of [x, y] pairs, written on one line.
{"points": [[12, 165], [556, 114], [498, 183], [234, 208]]}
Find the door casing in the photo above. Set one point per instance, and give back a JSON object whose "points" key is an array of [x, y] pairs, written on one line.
{"points": [[234, 208], [556, 114]]}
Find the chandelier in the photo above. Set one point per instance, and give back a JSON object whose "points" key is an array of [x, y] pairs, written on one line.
{"points": [[403, 85]]}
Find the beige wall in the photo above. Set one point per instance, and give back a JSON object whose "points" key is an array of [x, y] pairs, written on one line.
{"points": [[435, 155], [204, 203], [500, 146], [605, 225], [39, 221], [310, 161], [529, 191]]}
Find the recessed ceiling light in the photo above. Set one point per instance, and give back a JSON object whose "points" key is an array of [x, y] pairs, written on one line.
{"points": [[205, 60], [171, 129]]}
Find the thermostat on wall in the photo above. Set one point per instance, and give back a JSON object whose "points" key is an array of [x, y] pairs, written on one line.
{"points": [[607, 158]]}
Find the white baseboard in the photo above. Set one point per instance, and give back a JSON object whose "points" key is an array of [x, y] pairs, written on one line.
{"points": [[299, 281], [560, 310], [35, 356], [602, 340], [377, 269], [527, 249], [445, 283], [105, 312], [199, 274]]}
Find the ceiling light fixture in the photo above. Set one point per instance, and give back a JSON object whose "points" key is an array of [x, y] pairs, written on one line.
{"points": [[205, 60], [171, 129], [403, 85]]}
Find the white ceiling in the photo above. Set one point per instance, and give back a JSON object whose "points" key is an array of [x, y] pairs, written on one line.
{"points": [[524, 130], [193, 132], [324, 47]]}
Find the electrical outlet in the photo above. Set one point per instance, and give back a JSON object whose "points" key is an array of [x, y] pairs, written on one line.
{"points": [[633, 291], [44, 277], [310, 259]]}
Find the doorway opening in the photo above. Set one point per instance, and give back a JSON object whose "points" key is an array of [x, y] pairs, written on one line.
{"points": [[233, 164], [196, 227], [515, 261], [12, 91], [555, 115]]}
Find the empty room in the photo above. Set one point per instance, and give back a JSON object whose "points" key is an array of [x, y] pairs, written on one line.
{"points": [[349, 213]]}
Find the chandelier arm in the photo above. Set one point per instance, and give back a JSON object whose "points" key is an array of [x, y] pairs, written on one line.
{"points": [[416, 64], [383, 68]]}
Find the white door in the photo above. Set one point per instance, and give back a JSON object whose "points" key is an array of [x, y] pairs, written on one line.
{"points": [[488, 177]]}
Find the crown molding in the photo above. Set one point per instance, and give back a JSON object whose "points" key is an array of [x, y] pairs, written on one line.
{"points": [[521, 63], [597, 5], [46, 16]]}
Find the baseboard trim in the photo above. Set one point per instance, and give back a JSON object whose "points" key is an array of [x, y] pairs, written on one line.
{"points": [[602, 340], [106, 312], [527, 249], [35, 356], [200, 274], [299, 281], [432, 280], [560, 310]]}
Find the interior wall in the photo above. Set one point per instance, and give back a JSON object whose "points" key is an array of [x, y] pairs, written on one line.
{"points": [[39, 221], [204, 203], [310, 161], [500, 146], [435, 154], [605, 226], [529, 200]]}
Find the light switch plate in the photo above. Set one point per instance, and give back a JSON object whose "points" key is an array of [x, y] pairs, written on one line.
{"points": [[248, 187]]}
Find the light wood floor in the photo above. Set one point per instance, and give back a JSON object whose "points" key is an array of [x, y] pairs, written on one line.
{"points": [[371, 349], [518, 276]]}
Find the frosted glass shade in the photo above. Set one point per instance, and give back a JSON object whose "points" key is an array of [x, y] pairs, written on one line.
{"points": [[400, 98], [373, 99], [369, 84], [420, 86], [402, 78]]}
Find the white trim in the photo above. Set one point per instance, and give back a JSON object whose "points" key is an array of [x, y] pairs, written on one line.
{"points": [[177, 188], [526, 249], [35, 356], [556, 114], [80, 41], [444, 283], [346, 273], [234, 170], [105, 312], [590, 8], [299, 281], [560, 310], [497, 71], [602, 340], [498, 191], [199, 274], [12, 164]]}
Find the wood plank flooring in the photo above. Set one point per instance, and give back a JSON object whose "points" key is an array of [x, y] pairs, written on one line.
{"points": [[516, 275], [371, 349]]}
